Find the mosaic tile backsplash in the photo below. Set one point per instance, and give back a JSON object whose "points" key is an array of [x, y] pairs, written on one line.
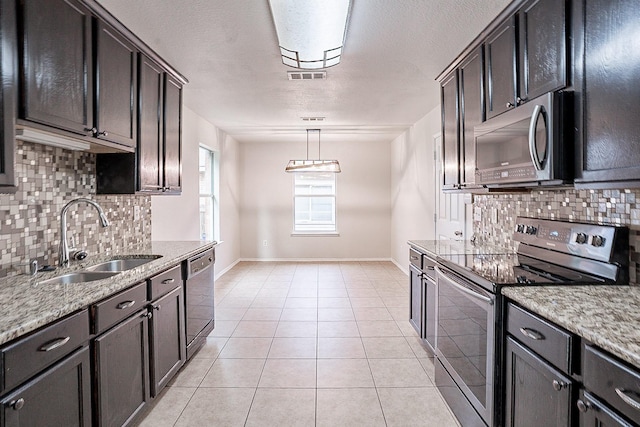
{"points": [[48, 178], [620, 207]]}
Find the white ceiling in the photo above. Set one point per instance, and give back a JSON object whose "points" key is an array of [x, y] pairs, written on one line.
{"points": [[228, 50]]}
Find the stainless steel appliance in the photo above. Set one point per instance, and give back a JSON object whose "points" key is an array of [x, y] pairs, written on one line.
{"points": [[470, 306], [529, 145], [199, 302]]}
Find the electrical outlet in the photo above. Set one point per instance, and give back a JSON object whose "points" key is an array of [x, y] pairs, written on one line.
{"points": [[264, 243]]}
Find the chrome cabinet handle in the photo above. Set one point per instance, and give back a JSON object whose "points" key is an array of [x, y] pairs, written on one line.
{"points": [[559, 385], [17, 404], [625, 396], [125, 304], [462, 288], [52, 345], [167, 281], [532, 137], [583, 406], [531, 333]]}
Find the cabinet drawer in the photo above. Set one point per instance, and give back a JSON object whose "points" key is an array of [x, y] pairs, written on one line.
{"points": [[613, 381], [32, 354], [165, 282], [415, 258], [428, 267], [116, 308], [549, 341]]}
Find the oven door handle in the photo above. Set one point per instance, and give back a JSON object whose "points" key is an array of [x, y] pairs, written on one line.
{"points": [[463, 289], [533, 152]]}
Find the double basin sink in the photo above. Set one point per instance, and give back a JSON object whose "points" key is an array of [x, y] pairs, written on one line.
{"points": [[100, 271]]}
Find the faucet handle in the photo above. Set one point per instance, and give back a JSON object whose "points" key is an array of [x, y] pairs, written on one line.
{"points": [[32, 266]]}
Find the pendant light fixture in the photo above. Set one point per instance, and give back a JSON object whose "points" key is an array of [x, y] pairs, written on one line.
{"points": [[313, 165], [310, 33]]}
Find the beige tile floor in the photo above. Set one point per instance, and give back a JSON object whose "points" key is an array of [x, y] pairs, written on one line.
{"points": [[307, 344]]}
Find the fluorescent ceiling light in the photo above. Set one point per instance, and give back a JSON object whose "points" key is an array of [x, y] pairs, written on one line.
{"points": [[313, 165], [46, 138], [311, 33]]}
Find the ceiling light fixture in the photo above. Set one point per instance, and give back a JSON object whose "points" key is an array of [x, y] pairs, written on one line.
{"points": [[311, 33], [313, 165]]}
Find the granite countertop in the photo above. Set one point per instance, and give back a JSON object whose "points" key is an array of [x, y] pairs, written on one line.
{"points": [[436, 248], [607, 316], [27, 305]]}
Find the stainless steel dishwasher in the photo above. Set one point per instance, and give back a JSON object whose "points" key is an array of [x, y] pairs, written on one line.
{"points": [[199, 303]]}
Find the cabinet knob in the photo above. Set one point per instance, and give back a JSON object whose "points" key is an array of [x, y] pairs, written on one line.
{"points": [[103, 133], [148, 315], [520, 101], [92, 131], [583, 406], [17, 404], [157, 308], [510, 105], [559, 385]]}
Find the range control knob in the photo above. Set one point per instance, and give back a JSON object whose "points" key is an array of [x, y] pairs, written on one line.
{"points": [[581, 238], [597, 241], [531, 229], [520, 228]]}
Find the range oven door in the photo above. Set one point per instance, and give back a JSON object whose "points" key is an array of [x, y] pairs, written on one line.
{"points": [[466, 339]]}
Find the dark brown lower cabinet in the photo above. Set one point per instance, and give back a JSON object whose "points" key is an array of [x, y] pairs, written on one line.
{"points": [[122, 371], [61, 396], [167, 338], [536, 393], [593, 412], [415, 314]]}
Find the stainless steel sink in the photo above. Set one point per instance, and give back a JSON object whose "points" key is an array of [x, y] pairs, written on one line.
{"points": [[122, 264], [78, 277]]}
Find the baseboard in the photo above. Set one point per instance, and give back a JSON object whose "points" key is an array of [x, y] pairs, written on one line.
{"points": [[233, 264], [402, 268], [315, 260]]}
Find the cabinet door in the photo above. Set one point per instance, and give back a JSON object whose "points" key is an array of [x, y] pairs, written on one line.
{"points": [[116, 87], [500, 66], [542, 56], [172, 135], [610, 92], [430, 315], [8, 70], [61, 396], [415, 286], [150, 126], [536, 393], [122, 371], [168, 345], [472, 112], [57, 64], [595, 413], [450, 131]]}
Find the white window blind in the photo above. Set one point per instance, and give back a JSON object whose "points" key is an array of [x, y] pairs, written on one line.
{"points": [[314, 201]]}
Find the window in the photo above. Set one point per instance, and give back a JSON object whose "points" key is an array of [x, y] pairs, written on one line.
{"points": [[209, 223], [314, 201]]}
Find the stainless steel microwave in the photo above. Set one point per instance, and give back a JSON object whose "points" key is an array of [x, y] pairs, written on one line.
{"points": [[529, 145]]}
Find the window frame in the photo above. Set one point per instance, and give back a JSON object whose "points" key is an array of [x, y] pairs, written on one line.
{"points": [[213, 196], [301, 231]]}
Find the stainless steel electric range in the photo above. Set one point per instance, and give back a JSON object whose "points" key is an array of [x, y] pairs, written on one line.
{"points": [[470, 306]]}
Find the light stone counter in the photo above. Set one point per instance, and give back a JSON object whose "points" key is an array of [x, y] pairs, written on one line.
{"points": [[608, 316], [26, 305]]}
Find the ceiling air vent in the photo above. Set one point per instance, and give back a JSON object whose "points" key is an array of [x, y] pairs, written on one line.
{"points": [[307, 75], [312, 119]]}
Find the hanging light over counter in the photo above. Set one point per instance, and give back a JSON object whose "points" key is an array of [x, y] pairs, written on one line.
{"points": [[313, 165], [310, 33]]}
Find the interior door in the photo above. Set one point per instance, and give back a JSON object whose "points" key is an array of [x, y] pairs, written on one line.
{"points": [[450, 211]]}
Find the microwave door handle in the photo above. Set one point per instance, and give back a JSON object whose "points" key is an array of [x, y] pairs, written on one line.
{"points": [[533, 152]]}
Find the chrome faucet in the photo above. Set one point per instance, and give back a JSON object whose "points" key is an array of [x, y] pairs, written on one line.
{"points": [[64, 246]]}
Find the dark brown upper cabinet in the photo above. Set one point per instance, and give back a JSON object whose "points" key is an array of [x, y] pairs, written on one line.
{"points": [[542, 55], [57, 64], [8, 74], [500, 50], [526, 55], [462, 98], [450, 152], [116, 83], [607, 93], [156, 166]]}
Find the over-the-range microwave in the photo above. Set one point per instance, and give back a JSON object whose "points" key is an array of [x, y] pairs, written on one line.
{"points": [[529, 145]]}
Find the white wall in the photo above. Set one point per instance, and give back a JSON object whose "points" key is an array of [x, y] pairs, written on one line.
{"points": [[363, 205], [175, 218], [412, 186]]}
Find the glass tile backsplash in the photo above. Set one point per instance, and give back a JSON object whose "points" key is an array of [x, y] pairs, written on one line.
{"points": [[48, 178]]}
